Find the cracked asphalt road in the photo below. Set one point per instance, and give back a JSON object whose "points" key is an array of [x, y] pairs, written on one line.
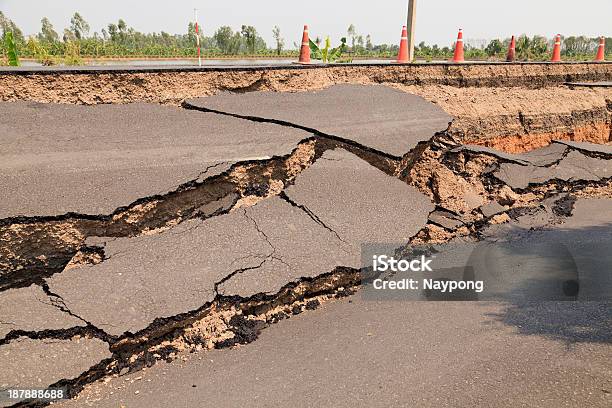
{"points": [[214, 262]]}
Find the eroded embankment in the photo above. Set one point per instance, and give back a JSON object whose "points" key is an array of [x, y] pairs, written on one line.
{"points": [[173, 85], [518, 119], [512, 107]]}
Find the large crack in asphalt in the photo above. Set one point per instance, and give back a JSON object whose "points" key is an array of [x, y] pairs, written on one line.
{"points": [[238, 320], [259, 119], [34, 248]]}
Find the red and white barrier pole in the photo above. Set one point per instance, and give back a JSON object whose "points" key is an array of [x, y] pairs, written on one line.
{"points": [[197, 32]]}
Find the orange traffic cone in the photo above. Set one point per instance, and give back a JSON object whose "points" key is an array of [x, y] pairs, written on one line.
{"points": [[601, 52], [305, 50], [511, 50], [403, 57], [458, 57], [556, 57]]}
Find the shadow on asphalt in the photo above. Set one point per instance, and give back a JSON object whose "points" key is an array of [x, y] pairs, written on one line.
{"points": [[569, 322], [588, 317]]}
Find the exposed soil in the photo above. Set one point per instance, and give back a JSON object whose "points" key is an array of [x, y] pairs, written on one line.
{"points": [[173, 85]]}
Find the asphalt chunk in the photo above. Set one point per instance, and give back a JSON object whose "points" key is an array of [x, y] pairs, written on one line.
{"points": [[28, 364], [445, 219], [31, 310], [358, 202], [589, 147], [299, 247], [546, 155], [376, 116], [493, 208], [57, 158], [575, 166], [160, 276]]}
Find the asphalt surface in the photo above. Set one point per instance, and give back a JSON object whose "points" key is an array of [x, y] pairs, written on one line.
{"points": [[382, 118], [56, 159], [383, 354], [364, 351]]}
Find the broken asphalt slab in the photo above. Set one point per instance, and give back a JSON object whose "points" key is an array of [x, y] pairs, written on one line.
{"points": [[359, 202], [589, 147], [574, 166], [376, 116], [342, 194], [177, 272], [249, 251], [31, 310], [57, 159], [159, 276], [445, 219], [28, 363], [565, 161]]}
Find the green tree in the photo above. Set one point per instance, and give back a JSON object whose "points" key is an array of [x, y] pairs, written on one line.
{"points": [[495, 47], [249, 33], [68, 35], [579, 46], [47, 32], [352, 33], [223, 38], [369, 45], [78, 26], [113, 32], [6, 25], [280, 42], [122, 26], [531, 48], [122, 31]]}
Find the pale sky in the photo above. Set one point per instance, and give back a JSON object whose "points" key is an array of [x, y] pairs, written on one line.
{"points": [[437, 20]]}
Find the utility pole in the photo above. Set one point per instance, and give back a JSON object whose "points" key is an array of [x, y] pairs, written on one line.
{"points": [[411, 24], [197, 33]]}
